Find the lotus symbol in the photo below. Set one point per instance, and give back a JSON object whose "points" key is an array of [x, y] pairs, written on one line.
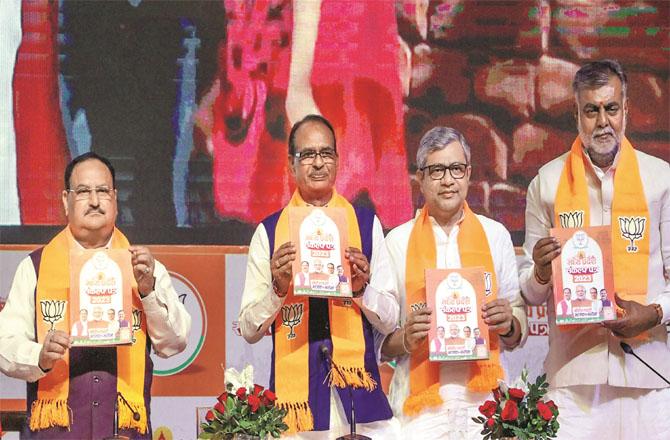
{"points": [[632, 228], [418, 306], [291, 315], [137, 322], [53, 311], [572, 219], [488, 283]]}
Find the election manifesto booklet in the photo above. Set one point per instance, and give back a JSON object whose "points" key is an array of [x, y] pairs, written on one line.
{"points": [[320, 237], [583, 277], [100, 297], [457, 331]]}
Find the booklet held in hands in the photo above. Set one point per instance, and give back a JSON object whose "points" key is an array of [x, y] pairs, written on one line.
{"points": [[457, 331], [320, 237], [583, 277], [100, 297]]}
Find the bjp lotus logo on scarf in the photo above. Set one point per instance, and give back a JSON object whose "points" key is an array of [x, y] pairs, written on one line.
{"points": [[137, 322], [53, 311], [632, 228], [571, 219], [418, 306], [291, 315]]}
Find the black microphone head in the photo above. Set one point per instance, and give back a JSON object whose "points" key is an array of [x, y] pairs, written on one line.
{"points": [[627, 348], [136, 416]]}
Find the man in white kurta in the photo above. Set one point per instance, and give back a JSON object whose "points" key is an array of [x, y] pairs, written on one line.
{"points": [[261, 300], [445, 197], [600, 391]]}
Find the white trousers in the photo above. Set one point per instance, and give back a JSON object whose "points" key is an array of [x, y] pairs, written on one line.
{"points": [[595, 412], [451, 421]]}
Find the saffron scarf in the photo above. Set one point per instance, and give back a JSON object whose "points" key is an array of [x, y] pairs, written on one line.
{"points": [[630, 216], [292, 355], [50, 409], [473, 248]]}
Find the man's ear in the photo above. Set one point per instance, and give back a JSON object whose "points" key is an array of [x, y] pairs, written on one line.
{"points": [[291, 165], [64, 199]]}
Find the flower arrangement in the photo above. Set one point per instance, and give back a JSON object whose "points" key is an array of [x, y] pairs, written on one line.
{"points": [[519, 411], [244, 408]]}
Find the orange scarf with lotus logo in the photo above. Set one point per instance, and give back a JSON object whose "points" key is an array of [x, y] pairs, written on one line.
{"points": [[292, 342], [474, 250], [50, 409], [630, 216]]}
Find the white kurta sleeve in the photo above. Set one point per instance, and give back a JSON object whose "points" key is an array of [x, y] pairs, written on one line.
{"points": [[260, 304], [380, 304], [19, 353], [168, 322], [538, 224]]}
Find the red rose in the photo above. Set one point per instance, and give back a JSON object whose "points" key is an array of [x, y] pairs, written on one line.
{"points": [[254, 402], [510, 412], [497, 394], [488, 408], [210, 416], [223, 397], [257, 389], [545, 411], [551, 404], [490, 423], [219, 407], [269, 395], [241, 393], [516, 394]]}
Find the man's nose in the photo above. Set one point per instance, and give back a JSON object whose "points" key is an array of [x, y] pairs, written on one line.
{"points": [[318, 161], [602, 117]]}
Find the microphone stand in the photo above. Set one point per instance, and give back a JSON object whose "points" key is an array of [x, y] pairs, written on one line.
{"points": [[352, 433], [136, 417], [628, 349]]}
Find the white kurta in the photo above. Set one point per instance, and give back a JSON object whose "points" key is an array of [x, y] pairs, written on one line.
{"points": [[260, 306], [453, 419]]}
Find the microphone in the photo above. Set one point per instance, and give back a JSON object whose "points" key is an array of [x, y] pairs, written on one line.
{"points": [[136, 417], [325, 352], [628, 349]]}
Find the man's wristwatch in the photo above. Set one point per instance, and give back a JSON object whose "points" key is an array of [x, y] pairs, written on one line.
{"points": [[275, 289], [659, 313], [510, 332], [360, 291]]}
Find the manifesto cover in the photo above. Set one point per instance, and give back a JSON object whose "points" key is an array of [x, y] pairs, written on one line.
{"points": [[320, 237], [457, 331], [582, 275], [100, 297]]}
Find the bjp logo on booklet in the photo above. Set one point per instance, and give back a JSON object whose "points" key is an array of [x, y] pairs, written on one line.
{"points": [[291, 315], [632, 228]]}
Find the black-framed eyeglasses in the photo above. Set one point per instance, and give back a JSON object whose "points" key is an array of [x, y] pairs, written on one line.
{"points": [[438, 171], [307, 157], [84, 192]]}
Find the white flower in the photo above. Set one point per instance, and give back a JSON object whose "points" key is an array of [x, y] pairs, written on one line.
{"points": [[244, 378]]}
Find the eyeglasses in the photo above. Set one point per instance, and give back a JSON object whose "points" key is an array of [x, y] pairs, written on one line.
{"points": [[84, 192], [307, 157], [438, 171]]}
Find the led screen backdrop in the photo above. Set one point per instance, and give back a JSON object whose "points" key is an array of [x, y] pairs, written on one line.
{"points": [[192, 101]]}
